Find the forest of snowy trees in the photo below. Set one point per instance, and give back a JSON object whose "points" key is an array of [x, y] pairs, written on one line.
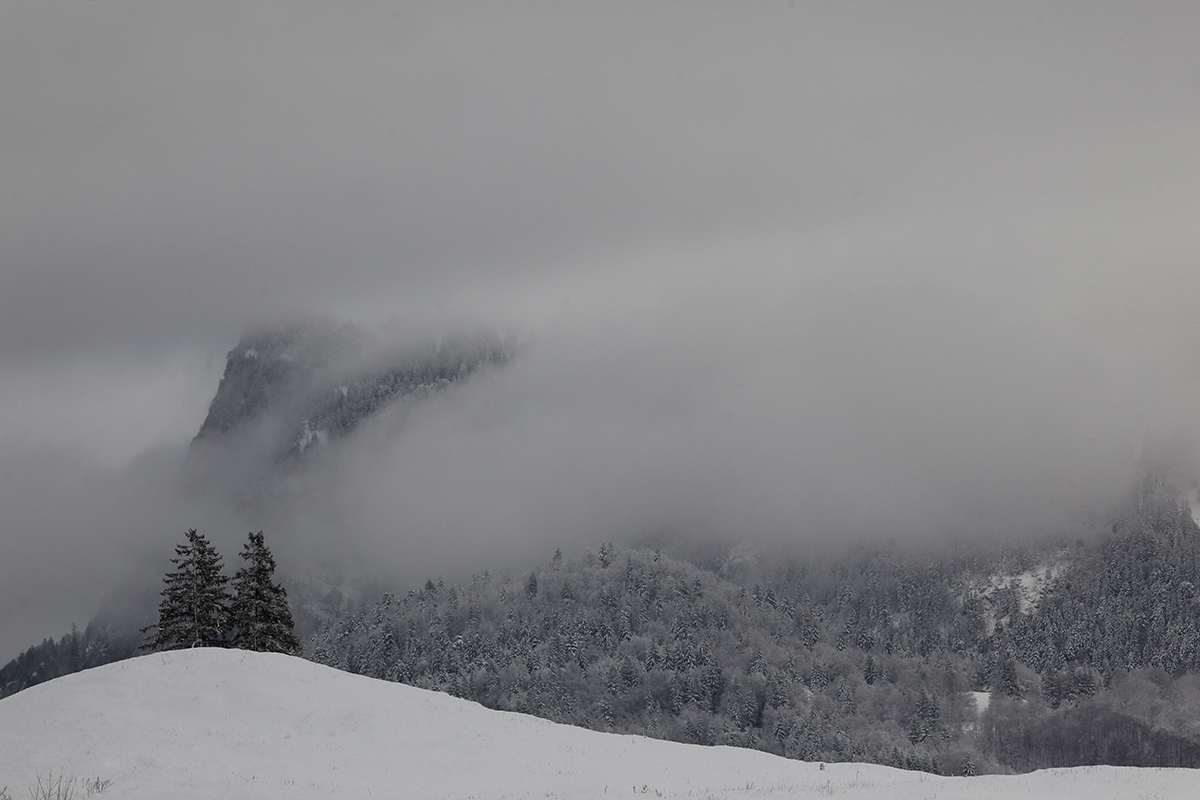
{"points": [[876, 657]]}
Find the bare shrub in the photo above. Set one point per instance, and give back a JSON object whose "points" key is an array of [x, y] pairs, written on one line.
{"points": [[53, 788], [93, 786]]}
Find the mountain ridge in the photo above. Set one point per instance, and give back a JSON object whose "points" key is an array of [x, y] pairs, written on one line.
{"points": [[312, 383]]}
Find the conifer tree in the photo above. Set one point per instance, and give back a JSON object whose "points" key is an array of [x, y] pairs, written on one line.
{"points": [[261, 619], [194, 608]]}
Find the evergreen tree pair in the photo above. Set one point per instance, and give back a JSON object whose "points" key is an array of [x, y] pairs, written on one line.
{"points": [[197, 611]]}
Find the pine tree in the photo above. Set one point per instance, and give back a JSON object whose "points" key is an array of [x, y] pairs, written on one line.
{"points": [[261, 619], [194, 608]]}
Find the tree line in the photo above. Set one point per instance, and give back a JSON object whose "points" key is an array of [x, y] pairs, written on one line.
{"points": [[634, 641], [97, 644], [872, 656]]}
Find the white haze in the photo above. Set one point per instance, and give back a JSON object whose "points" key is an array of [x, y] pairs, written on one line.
{"points": [[786, 273]]}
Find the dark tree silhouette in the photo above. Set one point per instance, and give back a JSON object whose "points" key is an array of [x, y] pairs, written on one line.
{"points": [[194, 610], [261, 619]]}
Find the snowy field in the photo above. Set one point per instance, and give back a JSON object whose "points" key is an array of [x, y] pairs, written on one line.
{"points": [[234, 724]]}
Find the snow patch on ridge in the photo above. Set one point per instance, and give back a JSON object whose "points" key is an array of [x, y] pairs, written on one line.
{"points": [[1025, 587]]}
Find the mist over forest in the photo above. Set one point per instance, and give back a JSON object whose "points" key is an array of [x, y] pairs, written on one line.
{"points": [[426, 292], [843, 409]]}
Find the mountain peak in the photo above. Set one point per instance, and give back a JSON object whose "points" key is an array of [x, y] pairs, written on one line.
{"points": [[314, 382]]}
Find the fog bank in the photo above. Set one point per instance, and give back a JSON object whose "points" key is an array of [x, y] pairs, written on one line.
{"points": [[786, 272]]}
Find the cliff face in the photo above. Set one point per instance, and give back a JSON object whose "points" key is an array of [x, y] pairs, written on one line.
{"points": [[309, 384]]}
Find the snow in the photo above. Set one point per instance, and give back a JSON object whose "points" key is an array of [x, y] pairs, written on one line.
{"points": [[1030, 585], [222, 723], [982, 700], [1033, 584]]}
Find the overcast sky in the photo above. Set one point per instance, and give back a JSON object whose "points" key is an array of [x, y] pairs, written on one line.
{"points": [[793, 270]]}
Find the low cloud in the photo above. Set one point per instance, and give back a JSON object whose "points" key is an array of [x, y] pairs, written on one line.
{"points": [[783, 274], [843, 394]]}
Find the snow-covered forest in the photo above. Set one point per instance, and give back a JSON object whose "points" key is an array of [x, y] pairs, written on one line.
{"points": [[946, 665]]}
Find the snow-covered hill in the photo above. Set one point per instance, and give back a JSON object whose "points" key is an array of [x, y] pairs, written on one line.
{"points": [[224, 723]]}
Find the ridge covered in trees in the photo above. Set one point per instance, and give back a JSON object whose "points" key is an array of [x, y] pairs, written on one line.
{"points": [[98, 644], [1074, 653]]}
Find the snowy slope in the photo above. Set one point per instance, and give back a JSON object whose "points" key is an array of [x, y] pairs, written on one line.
{"points": [[233, 724]]}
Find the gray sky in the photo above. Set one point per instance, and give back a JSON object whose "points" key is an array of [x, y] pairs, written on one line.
{"points": [[792, 270]]}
